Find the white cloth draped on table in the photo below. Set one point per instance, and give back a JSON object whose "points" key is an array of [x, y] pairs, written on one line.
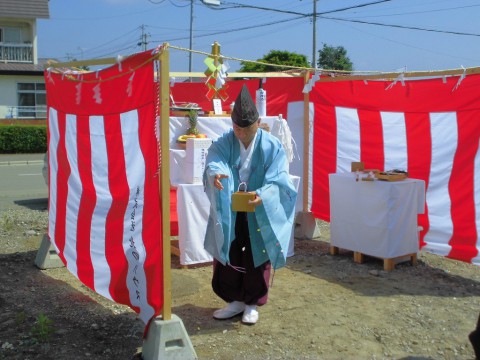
{"points": [[376, 218]]}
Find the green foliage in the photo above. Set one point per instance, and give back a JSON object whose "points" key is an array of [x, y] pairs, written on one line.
{"points": [[276, 57], [334, 58], [20, 317], [16, 139], [6, 223], [42, 330], [86, 68]]}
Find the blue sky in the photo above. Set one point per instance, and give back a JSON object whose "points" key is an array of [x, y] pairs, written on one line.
{"points": [[91, 29]]}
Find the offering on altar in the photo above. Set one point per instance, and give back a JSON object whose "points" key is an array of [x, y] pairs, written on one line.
{"points": [[184, 109], [182, 139], [392, 175], [197, 149]]}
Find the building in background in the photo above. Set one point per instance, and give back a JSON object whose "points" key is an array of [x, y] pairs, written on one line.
{"points": [[22, 86]]}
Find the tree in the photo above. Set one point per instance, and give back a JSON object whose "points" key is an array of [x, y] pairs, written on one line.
{"points": [[275, 57], [334, 58], [83, 67]]}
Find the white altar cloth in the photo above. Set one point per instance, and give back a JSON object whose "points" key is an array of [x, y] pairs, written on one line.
{"points": [[376, 218], [213, 127], [193, 208]]}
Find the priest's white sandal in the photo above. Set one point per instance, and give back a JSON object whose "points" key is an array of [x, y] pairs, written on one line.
{"points": [[250, 315], [232, 309]]}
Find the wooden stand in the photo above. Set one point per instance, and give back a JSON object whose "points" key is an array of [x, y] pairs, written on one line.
{"points": [[175, 250], [388, 264], [223, 114]]}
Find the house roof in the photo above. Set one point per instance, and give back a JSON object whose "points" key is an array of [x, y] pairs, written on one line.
{"points": [[29, 9], [12, 68]]}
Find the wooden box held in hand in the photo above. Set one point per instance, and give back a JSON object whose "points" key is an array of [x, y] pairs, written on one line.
{"points": [[240, 201]]}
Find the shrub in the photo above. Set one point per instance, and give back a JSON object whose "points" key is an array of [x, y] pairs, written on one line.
{"points": [[23, 139], [42, 330]]}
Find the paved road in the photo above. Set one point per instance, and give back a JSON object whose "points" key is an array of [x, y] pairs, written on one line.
{"points": [[22, 182]]}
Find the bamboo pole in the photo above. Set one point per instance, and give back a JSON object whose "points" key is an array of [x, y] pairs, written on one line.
{"points": [[232, 75], [335, 76], [165, 179], [306, 143], [215, 55], [394, 75], [92, 62]]}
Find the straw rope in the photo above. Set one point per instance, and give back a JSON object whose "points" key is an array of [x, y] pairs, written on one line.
{"points": [[332, 75], [78, 77]]}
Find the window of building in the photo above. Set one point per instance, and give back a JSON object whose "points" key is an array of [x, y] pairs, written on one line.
{"points": [[32, 100], [10, 35]]}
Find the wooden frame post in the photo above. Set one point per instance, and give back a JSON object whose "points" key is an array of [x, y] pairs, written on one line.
{"points": [[164, 178], [215, 55], [306, 143]]}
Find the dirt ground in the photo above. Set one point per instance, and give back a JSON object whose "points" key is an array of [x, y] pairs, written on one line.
{"points": [[320, 307]]}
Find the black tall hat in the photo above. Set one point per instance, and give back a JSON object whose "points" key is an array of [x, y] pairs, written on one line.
{"points": [[244, 111]]}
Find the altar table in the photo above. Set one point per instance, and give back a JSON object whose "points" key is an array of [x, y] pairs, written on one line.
{"points": [[375, 218]]}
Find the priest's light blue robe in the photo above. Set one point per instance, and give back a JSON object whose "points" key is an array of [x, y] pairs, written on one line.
{"points": [[270, 226]]}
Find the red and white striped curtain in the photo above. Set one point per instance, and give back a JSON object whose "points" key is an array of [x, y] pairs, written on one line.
{"points": [[431, 128], [104, 213]]}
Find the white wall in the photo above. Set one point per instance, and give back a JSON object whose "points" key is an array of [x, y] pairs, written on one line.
{"points": [[8, 90]]}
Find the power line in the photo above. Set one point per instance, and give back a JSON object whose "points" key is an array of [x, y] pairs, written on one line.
{"points": [[420, 12], [238, 5], [409, 45], [323, 17], [320, 14], [400, 26], [298, 16], [314, 16], [115, 39], [353, 7], [179, 6], [241, 28]]}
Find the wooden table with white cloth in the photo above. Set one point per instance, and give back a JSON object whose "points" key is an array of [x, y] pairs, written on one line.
{"points": [[375, 218], [193, 206]]}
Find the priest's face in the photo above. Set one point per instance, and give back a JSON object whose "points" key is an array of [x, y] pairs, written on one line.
{"points": [[246, 134]]}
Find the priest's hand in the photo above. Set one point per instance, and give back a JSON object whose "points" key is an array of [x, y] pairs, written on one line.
{"points": [[255, 202], [217, 182]]}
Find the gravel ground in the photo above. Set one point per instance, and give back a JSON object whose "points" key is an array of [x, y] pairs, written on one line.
{"points": [[320, 307]]}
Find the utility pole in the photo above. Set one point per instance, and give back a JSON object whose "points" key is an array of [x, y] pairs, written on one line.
{"points": [[206, 2], [191, 38], [314, 36], [143, 39]]}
